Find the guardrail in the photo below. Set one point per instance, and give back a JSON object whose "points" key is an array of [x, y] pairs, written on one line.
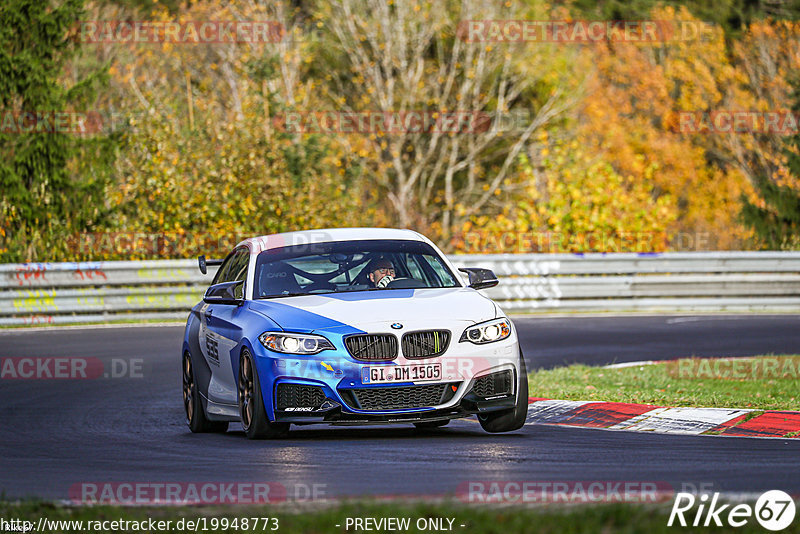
{"points": [[50, 293], [690, 281]]}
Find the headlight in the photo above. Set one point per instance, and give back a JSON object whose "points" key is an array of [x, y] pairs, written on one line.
{"points": [[294, 343], [487, 332]]}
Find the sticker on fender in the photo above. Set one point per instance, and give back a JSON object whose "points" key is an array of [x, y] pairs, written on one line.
{"points": [[383, 374]]}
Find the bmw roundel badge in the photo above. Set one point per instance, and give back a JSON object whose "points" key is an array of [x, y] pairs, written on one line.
{"points": [[397, 326]]}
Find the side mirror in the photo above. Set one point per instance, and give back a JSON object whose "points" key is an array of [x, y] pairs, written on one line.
{"points": [[225, 293], [480, 278]]}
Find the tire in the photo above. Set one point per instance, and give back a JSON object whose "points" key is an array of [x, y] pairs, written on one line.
{"points": [[251, 403], [508, 421], [196, 417], [426, 425]]}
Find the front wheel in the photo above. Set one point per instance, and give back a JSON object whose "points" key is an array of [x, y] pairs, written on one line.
{"points": [[513, 419], [251, 403], [193, 406]]}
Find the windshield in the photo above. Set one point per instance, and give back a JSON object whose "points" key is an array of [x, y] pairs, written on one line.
{"points": [[349, 266]]}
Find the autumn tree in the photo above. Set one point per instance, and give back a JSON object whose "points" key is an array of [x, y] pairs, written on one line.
{"points": [[203, 160], [575, 202], [734, 16], [400, 57], [775, 215], [634, 99], [589, 142]]}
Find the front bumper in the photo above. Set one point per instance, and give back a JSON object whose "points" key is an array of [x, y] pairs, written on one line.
{"points": [[307, 403], [333, 412], [342, 397]]}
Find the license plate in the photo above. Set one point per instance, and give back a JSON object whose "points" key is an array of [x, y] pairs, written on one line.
{"points": [[383, 374]]}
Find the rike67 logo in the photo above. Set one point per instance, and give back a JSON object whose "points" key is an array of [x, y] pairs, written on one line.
{"points": [[774, 510]]}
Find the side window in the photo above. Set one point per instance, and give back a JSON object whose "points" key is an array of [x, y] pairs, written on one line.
{"points": [[222, 274], [234, 268], [238, 270]]}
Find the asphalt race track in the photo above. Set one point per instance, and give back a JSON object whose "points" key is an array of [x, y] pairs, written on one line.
{"points": [[60, 433], [553, 342]]}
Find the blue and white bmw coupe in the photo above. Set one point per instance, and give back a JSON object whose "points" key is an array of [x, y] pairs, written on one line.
{"points": [[348, 326]]}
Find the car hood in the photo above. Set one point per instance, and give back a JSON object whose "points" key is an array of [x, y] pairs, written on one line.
{"points": [[368, 310]]}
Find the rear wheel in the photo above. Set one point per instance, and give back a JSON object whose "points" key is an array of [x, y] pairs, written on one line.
{"points": [[193, 406], [513, 419], [251, 403]]}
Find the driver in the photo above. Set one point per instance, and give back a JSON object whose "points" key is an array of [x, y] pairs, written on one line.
{"points": [[381, 272]]}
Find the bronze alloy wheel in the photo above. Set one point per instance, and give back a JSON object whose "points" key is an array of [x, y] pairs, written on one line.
{"points": [[246, 391], [252, 412], [193, 405], [188, 387]]}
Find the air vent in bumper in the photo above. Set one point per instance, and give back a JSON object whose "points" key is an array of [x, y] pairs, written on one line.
{"points": [[493, 384], [399, 397], [296, 396]]}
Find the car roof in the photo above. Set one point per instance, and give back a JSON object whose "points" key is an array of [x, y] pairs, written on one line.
{"points": [[259, 244]]}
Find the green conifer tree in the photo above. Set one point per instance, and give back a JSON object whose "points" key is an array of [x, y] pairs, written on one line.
{"points": [[777, 224], [52, 179]]}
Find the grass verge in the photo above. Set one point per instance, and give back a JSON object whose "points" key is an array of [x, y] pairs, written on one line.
{"points": [[488, 519], [761, 383]]}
